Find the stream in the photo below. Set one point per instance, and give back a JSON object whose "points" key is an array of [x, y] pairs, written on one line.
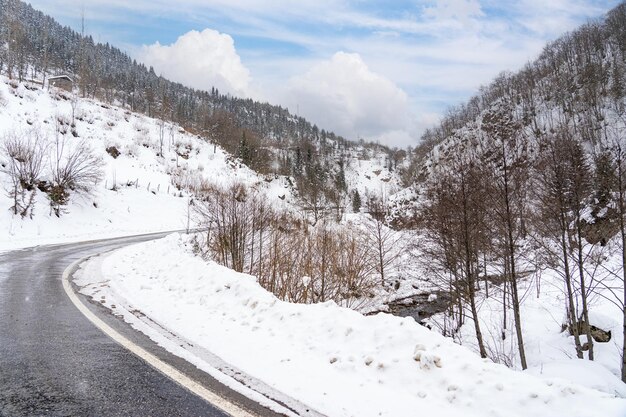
{"points": [[419, 307]]}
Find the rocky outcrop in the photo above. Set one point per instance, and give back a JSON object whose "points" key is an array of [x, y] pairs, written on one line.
{"points": [[602, 228]]}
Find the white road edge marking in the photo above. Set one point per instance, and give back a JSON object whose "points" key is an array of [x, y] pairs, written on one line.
{"points": [[182, 379]]}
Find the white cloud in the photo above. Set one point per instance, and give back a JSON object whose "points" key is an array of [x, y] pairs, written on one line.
{"points": [[200, 60], [343, 95]]}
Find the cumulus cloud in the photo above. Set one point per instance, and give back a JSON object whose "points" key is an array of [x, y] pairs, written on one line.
{"points": [[343, 95], [200, 60]]}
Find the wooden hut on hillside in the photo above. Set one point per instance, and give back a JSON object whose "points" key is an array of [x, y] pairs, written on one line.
{"points": [[64, 82]]}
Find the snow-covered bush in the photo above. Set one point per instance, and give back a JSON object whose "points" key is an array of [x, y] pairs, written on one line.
{"points": [[131, 149], [139, 126], [186, 179]]}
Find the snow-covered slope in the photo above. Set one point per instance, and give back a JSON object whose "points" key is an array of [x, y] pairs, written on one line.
{"points": [[338, 361], [138, 191], [549, 348]]}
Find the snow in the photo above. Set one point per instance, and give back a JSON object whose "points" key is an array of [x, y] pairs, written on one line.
{"points": [[139, 180], [366, 173], [333, 359], [550, 351], [137, 192], [585, 373]]}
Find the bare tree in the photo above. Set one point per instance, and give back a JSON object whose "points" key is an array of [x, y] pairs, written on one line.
{"points": [[22, 161], [618, 151], [509, 171], [559, 188], [454, 219], [579, 192], [387, 243]]}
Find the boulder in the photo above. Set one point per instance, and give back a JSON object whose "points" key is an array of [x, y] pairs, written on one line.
{"points": [[113, 151], [599, 335]]}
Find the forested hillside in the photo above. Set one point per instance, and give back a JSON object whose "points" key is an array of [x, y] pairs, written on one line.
{"points": [[523, 187], [577, 79], [41, 45], [93, 153], [265, 137]]}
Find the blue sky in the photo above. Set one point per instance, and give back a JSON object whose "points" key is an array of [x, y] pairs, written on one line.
{"points": [[383, 70]]}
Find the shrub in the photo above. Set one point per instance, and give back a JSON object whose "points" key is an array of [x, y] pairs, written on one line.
{"points": [[22, 161], [296, 262], [74, 169]]}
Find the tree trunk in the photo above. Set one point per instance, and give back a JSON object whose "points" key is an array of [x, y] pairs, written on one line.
{"points": [[486, 281], [479, 335], [469, 272], [511, 248], [620, 182], [381, 252], [583, 290], [570, 298]]}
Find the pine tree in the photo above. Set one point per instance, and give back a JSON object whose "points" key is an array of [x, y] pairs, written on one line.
{"points": [[340, 180], [244, 152], [605, 180], [356, 201]]}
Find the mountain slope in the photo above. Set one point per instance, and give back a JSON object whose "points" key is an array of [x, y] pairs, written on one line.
{"points": [[578, 80], [518, 202], [267, 138], [139, 190]]}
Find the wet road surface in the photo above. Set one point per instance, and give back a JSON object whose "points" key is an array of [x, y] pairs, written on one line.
{"points": [[54, 362]]}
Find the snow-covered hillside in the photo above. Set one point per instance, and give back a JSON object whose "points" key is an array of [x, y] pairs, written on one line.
{"points": [[139, 191], [148, 170], [335, 360]]}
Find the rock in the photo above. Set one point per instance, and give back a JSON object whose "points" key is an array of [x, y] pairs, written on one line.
{"points": [[426, 359], [599, 335], [602, 229], [113, 151]]}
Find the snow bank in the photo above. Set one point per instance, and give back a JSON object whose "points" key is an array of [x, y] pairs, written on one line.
{"points": [[338, 361], [583, 372]]}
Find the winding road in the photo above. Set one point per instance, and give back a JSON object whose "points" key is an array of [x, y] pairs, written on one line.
{"points": [[55, 362]]}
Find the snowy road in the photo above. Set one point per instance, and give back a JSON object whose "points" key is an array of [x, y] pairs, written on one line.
{"points": [[54, 362]]}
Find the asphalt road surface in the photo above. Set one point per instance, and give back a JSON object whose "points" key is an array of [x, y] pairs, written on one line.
{"points": [[55, 362]]}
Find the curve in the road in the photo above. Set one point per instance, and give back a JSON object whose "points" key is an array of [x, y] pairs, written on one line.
{"points": [[198, 389], [55, 362]]}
